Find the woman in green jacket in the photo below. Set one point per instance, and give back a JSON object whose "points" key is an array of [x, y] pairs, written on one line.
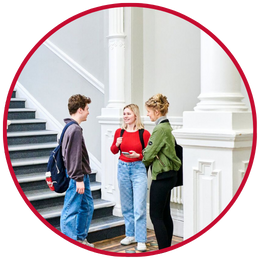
{"points": [[160, 152]]}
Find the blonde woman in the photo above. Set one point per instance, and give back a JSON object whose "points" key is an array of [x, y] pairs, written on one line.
{"points": [[161, 153], [130, 140]]}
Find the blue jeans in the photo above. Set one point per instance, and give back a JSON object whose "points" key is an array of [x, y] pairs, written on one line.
{"points": [[77, 211], [132, 181]]}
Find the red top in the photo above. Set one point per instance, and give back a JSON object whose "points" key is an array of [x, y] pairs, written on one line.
{"points": [[131, 142]]}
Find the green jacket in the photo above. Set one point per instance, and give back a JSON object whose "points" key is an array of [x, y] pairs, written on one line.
{"points": [[160, 151]]}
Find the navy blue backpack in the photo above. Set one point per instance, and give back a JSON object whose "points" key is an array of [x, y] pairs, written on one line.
{"points": [[56, 166]]}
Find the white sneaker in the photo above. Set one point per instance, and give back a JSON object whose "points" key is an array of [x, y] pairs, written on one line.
{"points": [[127, 241], [141, 247], [85, 242]]}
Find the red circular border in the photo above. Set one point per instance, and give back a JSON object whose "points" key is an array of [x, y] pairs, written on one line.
{"points": [[159, 8]]}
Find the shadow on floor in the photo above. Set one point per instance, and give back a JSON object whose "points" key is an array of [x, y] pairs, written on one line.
{"points": [[113, 244]]}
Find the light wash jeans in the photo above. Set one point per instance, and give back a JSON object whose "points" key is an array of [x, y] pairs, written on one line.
{"points": [[132, 181], [77, 211]]}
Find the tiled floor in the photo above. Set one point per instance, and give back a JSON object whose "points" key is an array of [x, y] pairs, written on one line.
{"points": [[113, 245]]}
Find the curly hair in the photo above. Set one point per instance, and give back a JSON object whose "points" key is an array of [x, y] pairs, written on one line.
{"points": [[77, 101], [158, 102]]}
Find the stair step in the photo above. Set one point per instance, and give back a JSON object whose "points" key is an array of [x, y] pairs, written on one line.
{"points": [[106, 228], [31, 177], [17, 103], [40, 176], [43, 197], [14, 93], [27, 121], [25, 137], [17, 99], [22, 147], [103, 225], [42, 194], [101, 228], [35, 166], [13, 110], [29, 165], [26, 125], [106, 223], [31, 133], [28, 169], [34, 187], [31, 150], [55, 211], [21, 113], [30, 161]]}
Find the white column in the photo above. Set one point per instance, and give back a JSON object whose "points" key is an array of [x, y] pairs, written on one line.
{"points": [[220, 80], [116, 43], [216, 138], [111, 116]]}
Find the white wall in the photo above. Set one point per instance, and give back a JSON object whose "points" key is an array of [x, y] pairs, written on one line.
{"points": [[171, 60], [51, 81], [85, 41]]}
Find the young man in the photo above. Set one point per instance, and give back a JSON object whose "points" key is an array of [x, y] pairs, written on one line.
{"points": [[78, 203]]}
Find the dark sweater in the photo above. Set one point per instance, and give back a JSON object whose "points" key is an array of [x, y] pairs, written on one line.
{"points": [[74, 152]]}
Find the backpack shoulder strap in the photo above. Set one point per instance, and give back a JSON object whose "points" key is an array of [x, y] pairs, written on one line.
{"points": [[122, 132], [141, 133], [179, 153], [64, 130]]}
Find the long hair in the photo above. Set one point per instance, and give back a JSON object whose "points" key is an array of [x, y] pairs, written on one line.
{"points": [[135, 109]]}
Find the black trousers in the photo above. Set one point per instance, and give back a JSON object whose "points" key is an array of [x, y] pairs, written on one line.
{"points": [[160, 213]]}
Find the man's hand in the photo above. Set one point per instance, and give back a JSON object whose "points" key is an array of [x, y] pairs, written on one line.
{"points": [[80, 187]]}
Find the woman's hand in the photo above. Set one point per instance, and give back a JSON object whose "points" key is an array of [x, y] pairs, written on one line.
{"points": [[132, 154], [119, 141]]}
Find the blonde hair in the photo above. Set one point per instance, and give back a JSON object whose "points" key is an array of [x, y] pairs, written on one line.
{"points": [[135, 109], [158, 102]]}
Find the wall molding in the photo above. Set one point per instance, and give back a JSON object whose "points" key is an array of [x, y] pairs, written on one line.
{"points": [[74, 65], [206, 192], [244, 168]]}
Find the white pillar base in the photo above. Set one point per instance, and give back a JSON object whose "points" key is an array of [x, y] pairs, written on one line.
{"points": [[110, 120], [217, 148], [221, 102]]}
